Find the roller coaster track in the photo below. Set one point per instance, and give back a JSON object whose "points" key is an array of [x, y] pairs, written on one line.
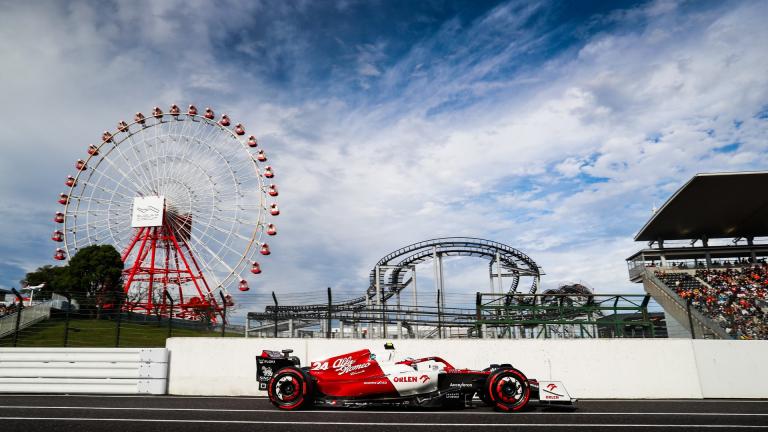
{"points": [[512, 262]]}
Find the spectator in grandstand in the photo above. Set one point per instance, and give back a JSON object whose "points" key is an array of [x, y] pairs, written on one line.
{"points": [[735, 297]]}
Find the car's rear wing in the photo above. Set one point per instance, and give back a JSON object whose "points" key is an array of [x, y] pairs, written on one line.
{"points": [[269, 362]]}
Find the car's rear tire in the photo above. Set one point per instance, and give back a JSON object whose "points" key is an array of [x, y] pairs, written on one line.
{"points": [[291, 388], [508, 389]]}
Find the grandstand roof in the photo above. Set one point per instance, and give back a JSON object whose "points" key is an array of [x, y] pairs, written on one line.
{"points": [[716, 205]]}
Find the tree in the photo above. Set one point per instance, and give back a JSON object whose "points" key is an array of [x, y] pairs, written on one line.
{"points": [[95, 277]]}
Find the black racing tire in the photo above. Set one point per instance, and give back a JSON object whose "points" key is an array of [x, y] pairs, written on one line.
{"points": [[290, 389], [508, 389]]}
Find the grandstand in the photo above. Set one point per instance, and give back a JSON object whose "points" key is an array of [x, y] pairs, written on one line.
{"points": [[705, 263]]}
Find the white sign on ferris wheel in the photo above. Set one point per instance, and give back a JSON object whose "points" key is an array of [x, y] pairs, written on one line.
{"points": [[148, 211]]}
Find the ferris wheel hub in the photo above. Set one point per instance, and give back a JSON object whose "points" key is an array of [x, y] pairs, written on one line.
{"points": [[148, 211]]}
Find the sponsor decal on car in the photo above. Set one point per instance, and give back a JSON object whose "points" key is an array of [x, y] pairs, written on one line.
{"points": [[345, 366], [319, 365], [411, 379], [553, 392]]}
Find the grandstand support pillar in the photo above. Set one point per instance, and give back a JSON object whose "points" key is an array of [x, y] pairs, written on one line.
{"points": [[341, 329], [663, 260], [708, 258], [399, 329], [247, 326]]}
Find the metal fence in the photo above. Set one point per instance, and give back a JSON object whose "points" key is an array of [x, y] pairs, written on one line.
{"points": [[64, 324]]}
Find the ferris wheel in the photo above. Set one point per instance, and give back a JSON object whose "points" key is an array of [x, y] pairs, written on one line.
{"points": [[185, 197]]}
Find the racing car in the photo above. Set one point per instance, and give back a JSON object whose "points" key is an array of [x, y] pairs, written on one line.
{"points": [[359, 379]]}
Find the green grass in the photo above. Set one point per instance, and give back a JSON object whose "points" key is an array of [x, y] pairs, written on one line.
{"points": [[102, 333]]}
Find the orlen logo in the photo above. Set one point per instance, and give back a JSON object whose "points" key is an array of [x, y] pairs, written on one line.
{"points": [[408, 379], [550, 388]]}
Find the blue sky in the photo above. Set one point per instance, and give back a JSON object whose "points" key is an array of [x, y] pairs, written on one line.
{"points": [[553, 127]]}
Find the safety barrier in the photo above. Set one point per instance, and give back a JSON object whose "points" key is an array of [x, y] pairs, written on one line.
{"points": [[84, 370], [599, 368]]}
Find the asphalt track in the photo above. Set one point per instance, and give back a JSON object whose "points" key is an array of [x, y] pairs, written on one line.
{"points": [[33, 413]]}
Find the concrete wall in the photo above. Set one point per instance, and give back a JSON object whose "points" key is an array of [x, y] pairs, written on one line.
{"points": [[598, 368]]}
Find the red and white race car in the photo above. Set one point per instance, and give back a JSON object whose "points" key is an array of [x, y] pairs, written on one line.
{"points": [[359, 379]]}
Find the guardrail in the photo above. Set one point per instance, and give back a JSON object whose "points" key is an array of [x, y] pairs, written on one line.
{"points": [[84, 370]]}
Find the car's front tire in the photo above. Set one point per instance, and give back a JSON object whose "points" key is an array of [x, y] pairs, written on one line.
{"points": [[508, 389], [291, 388]]}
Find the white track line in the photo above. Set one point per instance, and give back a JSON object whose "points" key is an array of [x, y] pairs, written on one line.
{"points": [[677, 400], [350, 411], [547, 425]]}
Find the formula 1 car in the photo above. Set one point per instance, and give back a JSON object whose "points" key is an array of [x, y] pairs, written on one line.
{"points": [[359, 379]]}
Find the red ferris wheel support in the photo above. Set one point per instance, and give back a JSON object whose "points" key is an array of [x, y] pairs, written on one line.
{"points": [[149, 282]]}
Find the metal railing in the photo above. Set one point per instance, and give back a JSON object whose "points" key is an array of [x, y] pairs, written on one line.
{"points": [[24, 317]]}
